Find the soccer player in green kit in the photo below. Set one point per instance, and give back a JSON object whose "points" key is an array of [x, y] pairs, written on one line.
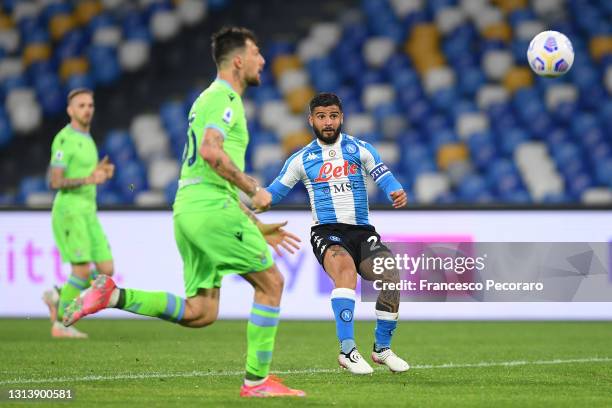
{"points": [[75, 172], [215, 233]]}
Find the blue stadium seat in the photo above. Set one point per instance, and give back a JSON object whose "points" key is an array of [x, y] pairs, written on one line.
{"points": [[31, 184], [6, 132], [472, 188], [578, 183], [109, 198], [130, 180], [79, 81], [444, 99], [471, 79], [516, 197], [603, 172], [105, 66], [556, 198], [442, 137]]}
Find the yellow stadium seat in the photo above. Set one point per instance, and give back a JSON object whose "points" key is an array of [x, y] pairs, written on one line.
{"points": [[60, 24], [299, 98], [498, 31], [73, 66], [518, 77], [425, 32], [86, 10], [36, 52], [5, 22], [426, 61], [450, 153], [284, 63], [600, 46], [508, 6], [295, 141]]}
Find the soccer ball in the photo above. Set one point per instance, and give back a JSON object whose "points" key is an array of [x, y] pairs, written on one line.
{"points": [[550, 54]]}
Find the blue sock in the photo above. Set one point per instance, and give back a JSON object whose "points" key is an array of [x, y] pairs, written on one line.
{"points": [[386, 323], [343, 303]]}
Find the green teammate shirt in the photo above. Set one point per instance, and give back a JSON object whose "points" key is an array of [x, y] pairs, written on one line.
{"points": [[76, 152], [200, 187]]}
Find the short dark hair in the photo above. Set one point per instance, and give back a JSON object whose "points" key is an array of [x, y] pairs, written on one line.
{"points": [[78, 91], [325, 99], [227, 40]]}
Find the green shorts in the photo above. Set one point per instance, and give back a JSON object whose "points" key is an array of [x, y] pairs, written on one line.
{"points": [[217, 243], [79, 237]]}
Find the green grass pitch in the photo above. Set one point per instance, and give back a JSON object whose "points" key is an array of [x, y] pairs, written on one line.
{"points": [[148, 363]]}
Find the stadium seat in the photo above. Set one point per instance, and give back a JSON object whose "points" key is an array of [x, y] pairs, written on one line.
{"points": [[429, 186]]}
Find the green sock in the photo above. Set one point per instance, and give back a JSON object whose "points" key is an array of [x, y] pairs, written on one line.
{"points": [[155, 304], [70, 291], [261, 332]]}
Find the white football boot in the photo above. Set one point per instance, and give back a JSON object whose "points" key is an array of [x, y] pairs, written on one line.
{"points": [[387, 357], [354, 363]]}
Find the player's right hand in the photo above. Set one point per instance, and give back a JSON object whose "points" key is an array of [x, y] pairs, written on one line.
{"points": [[262, 200], [108, 167], [98, 176]]}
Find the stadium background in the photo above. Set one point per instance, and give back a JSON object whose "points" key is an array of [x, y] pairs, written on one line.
{"points": [[441, 88]]}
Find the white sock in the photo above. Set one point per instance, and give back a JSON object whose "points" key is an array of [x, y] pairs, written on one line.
{"points": [[114, 298], [251, 383]]}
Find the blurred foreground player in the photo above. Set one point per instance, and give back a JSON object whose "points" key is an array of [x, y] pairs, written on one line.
{"points": [[216, 234], [333, 168], [75, 172]]}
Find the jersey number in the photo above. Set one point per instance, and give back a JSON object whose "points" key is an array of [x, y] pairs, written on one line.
{"points": [[191, 137], [373, 240]]}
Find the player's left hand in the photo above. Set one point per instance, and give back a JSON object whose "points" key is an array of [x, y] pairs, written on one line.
{"points": [[277, 237], [399, 198]]}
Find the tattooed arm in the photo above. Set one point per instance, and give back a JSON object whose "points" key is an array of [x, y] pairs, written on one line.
{"points": [[103, 171], [212, 152]]}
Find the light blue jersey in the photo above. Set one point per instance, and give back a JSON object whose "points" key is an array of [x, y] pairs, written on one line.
{"points": [[335, 177]]}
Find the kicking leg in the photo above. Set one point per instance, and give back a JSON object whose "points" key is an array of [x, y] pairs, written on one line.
{"points": [[387, 307], [197, 311]]}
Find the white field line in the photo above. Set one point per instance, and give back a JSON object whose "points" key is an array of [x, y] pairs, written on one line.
{"points": [[189, 374]]}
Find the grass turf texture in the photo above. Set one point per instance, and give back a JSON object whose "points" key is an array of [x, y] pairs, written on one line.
{"points": [[152, 363]]}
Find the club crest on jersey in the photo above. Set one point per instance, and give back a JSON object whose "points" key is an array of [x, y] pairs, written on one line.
{"points": [[351, 148], [328, 171], [227, 115]]}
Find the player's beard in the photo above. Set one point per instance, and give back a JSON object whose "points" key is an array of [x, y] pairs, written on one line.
{"points": [[325, 139], [253, 80], [85, 121]]}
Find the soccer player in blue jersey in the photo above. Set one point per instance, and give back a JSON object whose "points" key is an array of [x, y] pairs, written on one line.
{"points": [[333, 168]]}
